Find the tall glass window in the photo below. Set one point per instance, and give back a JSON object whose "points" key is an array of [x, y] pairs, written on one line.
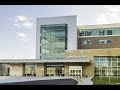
{"points": [[53, 41], [107, 66]]}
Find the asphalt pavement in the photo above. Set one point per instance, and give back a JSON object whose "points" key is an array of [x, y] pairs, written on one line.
{"points": [[45, 82]]}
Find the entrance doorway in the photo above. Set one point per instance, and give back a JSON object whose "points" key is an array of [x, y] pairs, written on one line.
{"points": [[55, 71], [75, 71], [30, 70]]}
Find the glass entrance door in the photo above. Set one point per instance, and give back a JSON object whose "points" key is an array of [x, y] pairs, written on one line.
{"points": [[50, 71], [55, 71], [76, 73], [30, 70], [59, 71]]}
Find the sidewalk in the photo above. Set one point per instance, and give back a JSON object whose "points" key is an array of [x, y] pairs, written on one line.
{"points": [[84, 81]]}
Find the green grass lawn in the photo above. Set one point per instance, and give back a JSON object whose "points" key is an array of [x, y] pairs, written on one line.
{"points": [[105, 80]]}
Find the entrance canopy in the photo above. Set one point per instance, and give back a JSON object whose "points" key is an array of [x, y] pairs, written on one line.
{"points": [[80, 59]]}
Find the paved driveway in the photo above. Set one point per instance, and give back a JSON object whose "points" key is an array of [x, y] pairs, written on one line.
{"points": [[38, 81], [45, 82]]}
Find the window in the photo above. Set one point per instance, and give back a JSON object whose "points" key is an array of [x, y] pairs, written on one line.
{"points": [[102, 41], [53, 41], [89, 33], [101, 32], [81, 33], [85, 42], [109, 32], [106, 66], [85, 33], [109, 41], [89, 42], [105, 41]]}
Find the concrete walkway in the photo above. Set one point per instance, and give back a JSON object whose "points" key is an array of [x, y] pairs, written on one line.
{"points": [[84, 81]]}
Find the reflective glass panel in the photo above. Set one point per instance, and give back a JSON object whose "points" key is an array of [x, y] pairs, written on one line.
{"points": [[53, 41]]}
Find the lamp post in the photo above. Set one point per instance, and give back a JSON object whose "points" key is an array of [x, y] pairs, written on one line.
{"points": [[109, 80], [110, 64], [109, 76]]}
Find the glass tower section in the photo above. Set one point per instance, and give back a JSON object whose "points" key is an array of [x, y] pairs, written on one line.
{"points": [[53, 40]]}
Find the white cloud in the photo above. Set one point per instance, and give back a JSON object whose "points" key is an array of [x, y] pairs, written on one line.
{"points": [[22, 36], [23, 22], [21, 18], [27, 24], [110, 14]]}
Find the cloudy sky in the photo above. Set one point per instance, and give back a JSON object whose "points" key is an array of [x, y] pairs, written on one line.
{"points": [[17, 24]]}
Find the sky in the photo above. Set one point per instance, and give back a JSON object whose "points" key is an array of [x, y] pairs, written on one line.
{"points": [[18, 24]]}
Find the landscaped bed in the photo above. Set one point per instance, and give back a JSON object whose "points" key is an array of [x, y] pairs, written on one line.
{"points": [[106, 80]]}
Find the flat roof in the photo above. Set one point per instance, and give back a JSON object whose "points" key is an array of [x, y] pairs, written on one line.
{"points": [[82, 59], [56, 17], [111, 25]]}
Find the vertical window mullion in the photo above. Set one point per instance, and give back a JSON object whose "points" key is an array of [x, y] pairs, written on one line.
{"points": [[99, 66], [117, 66], [111, 67]]}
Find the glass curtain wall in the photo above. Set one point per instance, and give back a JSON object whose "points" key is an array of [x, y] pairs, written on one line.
{"points": [[107, 66], [53, 41]]}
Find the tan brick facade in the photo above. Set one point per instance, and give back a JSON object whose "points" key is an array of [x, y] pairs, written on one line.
{"points": [[84, 65], [40, 69], [16, 70], [66, 69], [88, 68], [95, 42]]}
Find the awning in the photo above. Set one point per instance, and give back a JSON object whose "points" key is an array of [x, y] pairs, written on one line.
{"points": [[65, 60]]}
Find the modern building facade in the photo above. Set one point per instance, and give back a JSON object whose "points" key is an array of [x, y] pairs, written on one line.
{"points": [[65, 49]]}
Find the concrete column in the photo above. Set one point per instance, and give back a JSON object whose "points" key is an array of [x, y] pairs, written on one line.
{"points": [[66, 69], [16, 70], [39, 69]]}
